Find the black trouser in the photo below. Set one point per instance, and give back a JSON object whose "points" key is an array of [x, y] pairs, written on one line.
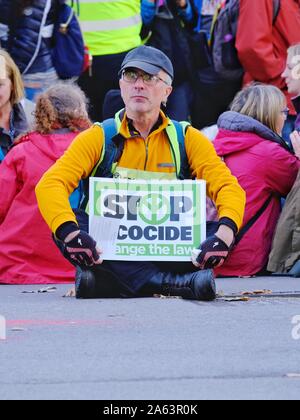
{"points": [[212, 97], [103, 77], [133, 277]]}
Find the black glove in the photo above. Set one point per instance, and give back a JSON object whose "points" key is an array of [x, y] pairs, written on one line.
{"points": [[211, 254], [82, 250]]}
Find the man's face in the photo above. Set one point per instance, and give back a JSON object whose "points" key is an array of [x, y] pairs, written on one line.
{"points": [[291, 75], [143, 93]]}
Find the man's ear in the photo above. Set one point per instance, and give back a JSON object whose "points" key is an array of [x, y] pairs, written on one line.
{"points": [[169, 90]]}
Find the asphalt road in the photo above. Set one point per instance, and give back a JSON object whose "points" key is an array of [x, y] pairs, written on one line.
{"points": [[63, 348]]}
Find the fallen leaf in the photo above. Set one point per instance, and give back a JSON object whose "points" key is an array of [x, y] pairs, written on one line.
{"points": [[70, 293], [257, 292], [236, 299]]}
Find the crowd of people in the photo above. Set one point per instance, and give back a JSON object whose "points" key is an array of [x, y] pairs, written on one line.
{"points": [[144, 61]]}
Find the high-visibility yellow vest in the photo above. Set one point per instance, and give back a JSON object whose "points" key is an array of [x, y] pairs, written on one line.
{"points": [[110, 26]]}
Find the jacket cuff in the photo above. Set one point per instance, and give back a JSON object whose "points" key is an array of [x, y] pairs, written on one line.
{"points": [[65, 229], [230, 223]]}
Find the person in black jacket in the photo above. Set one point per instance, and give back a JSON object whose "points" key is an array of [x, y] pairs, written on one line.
{"points": [[167, 22], [26, 33], [166, 26]]}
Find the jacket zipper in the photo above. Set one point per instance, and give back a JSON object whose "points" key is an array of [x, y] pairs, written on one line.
{"points": [[147, 153]]}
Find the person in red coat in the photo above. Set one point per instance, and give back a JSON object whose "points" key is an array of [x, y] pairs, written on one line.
{"points": [[28, 254], [262, 46], [250, 143]]}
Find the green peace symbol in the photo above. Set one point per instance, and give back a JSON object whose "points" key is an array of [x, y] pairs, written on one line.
{"points": [[154, 209]]}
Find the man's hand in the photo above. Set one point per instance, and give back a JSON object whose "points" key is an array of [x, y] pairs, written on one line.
{"points": [[181, 3], [295, 139], [82, 249], [214, 250]]}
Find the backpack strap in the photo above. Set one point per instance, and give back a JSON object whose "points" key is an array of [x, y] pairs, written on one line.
{"points": [[276, 10], [253, 220], [109, 152], [103, 167], [176, 132], [73, 3]]}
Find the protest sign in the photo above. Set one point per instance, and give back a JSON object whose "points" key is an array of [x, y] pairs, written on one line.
{"points": [[147, 220]]}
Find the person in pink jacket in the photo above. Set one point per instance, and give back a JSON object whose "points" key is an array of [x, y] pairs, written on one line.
{"points": [[28, 254], [250, 142]]}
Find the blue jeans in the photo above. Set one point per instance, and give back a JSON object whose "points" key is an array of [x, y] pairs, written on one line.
{"points": [[288, 128], [37, 83]]}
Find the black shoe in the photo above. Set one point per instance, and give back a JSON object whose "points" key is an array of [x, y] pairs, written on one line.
{"points": [[96, 283], [199, 285], [85, 284]]}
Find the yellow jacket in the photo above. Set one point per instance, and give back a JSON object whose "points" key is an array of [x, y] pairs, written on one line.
{"points": [[77, 163]]}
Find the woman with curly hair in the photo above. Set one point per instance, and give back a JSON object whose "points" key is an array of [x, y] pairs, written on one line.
{"points": [[28, 254]]}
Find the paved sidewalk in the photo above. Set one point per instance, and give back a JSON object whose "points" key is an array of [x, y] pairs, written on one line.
{"points": [[152, 348]]}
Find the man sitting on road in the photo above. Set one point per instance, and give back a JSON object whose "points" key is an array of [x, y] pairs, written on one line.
{"points": [[146, 82]]}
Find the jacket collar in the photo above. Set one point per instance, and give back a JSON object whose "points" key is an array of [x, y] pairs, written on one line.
{"points": [[20, 120], [234, 121], [128, 131]]}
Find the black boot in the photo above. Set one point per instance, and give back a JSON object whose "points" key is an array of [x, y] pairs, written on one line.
{"points": [[96, 283], [199, 285], [85, 284]]}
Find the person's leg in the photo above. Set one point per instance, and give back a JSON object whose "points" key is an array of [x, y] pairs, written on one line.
{"points": [[37, 83], [179, 102], [103, 77], [144, 279], [208, 103], [139, 279]]}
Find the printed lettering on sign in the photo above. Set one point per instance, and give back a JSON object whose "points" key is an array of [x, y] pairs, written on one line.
{"points": [[147, 220]]}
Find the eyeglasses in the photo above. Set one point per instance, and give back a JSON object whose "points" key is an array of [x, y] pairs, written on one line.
{"points": [[131, 76], [286, 112]]}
